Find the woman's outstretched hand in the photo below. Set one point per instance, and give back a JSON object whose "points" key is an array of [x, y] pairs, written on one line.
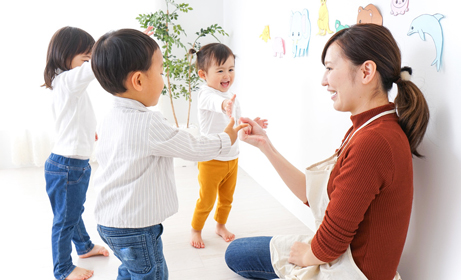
{"points": [[253, 134]]}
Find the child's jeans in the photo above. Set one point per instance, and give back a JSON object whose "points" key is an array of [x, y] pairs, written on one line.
{"points": [[139, 249], [67, 181]]}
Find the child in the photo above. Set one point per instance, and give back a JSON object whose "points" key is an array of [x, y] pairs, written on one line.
{"points": [[135, 154], [67, 171], [218, 177]]}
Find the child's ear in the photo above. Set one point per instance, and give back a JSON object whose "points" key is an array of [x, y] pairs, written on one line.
{"points": [[201, 74], [136, 80]]}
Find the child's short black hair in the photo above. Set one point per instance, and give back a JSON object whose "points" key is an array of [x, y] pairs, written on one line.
{"points": [[118, 53]]}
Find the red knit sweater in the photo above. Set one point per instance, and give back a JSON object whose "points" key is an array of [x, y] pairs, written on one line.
{"points": [[371, 193]]}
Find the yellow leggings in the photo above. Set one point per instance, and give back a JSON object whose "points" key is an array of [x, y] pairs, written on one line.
{"points": [[216, 178]]}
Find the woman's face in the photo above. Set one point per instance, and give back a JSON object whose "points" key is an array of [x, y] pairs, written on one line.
{"points": [[342, 79]]}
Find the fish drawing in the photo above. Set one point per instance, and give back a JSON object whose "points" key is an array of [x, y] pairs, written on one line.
{"points": [[430, 24]]}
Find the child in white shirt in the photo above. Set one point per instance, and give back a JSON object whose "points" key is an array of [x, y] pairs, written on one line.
{"points": [[67, 171], [135, 179], [216, 105]]}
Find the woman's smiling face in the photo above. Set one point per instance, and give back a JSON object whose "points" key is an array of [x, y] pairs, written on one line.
{"points": [[342, 78]]}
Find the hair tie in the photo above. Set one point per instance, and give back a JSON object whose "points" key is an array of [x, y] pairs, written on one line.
{"points": [[405, 74]]}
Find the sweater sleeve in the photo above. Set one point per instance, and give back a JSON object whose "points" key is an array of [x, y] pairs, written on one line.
{"points": [[366, 169]]}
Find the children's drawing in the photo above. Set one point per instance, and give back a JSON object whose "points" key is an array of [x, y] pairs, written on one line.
{"points": [[323, 22], [278, 45], [399, 7], [338, 26], [300, 32], [266, 34], [369, 14], [430, 24]]}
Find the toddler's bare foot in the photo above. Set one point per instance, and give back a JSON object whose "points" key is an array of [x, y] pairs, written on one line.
{"points": [[97, 250], [80, 274], [222, 231], [196, 239]]}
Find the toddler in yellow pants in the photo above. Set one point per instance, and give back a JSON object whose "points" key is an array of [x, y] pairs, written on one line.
{"points": [[216, 105]]}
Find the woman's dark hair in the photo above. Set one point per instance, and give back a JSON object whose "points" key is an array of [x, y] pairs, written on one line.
{"points": [[363, 42], [214, 52], [118, 53], [65, 44]]}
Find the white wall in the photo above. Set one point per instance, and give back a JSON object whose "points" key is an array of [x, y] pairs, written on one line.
{"points": [[305, 128], [303, 125], [27, 27]]}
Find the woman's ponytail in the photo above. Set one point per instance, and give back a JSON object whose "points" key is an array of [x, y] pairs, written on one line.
{"points": [[412, 110]]}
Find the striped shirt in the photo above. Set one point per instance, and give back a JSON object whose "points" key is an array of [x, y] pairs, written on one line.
{"points": [[135, 179]]}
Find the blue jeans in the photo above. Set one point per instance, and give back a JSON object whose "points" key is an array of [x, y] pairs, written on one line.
{"points": [[251, 258], [139, 249], [67, 181]]}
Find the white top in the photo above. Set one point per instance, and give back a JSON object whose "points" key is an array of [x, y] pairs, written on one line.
{"points": [[211, 117], [135, 179], [75, 120]]}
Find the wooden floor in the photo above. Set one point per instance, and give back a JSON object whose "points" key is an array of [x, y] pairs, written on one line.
{"points": [[26, 228]]}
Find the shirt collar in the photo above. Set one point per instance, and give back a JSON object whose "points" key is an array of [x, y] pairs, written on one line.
{"points": [[128, 103]]}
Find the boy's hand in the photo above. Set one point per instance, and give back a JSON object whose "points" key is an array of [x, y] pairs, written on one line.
{"points": [[233, 131], [262, 123], [228, 106]]}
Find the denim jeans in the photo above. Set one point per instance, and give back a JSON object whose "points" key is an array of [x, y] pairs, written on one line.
{"points": [[251, 258], [139, 249], [67, 181]]}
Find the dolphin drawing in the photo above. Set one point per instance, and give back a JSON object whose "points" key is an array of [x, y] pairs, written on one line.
{"points": [[430, 24]]}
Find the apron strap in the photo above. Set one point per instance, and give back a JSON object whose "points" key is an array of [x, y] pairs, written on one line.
{"points": [[365, 124]]}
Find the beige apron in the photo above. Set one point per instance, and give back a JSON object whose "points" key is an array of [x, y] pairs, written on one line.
{"points": [[343, 268]]}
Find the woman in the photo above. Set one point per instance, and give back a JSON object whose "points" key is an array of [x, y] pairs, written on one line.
{"points": [[362, 220]]}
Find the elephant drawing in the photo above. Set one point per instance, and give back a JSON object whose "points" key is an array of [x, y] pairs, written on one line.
{"points": [[300, 32]]}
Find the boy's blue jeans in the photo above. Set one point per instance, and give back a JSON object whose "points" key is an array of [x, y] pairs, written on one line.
{"points": [[139, 249], [251, 257], [67, 181]]}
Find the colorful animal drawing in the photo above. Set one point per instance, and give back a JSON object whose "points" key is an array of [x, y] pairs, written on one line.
{"points": [[300, 32], [369, 14], [430, 24], [323, 21], [399, 7], [338, 26], [266, 34], [278, 45]]}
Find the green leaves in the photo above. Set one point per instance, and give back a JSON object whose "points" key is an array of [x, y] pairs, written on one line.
{"points": [[181, 73]]}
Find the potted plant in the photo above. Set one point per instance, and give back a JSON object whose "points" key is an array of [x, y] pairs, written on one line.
{"points": [[180, 73]]}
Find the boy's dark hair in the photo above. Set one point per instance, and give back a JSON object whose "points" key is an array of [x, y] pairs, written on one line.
{"points": [[118, 53], [65, 44], [214, 52]]}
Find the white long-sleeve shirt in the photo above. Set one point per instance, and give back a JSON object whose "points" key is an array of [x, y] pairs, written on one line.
{"points": [[135, 179], [75, 120], [212, 119]]}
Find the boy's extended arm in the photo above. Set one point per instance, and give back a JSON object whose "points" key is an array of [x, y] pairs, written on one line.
{"points": [[168, 141]]}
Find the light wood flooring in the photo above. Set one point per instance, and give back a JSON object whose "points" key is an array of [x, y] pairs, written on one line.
{"points": [[26, 219]]}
